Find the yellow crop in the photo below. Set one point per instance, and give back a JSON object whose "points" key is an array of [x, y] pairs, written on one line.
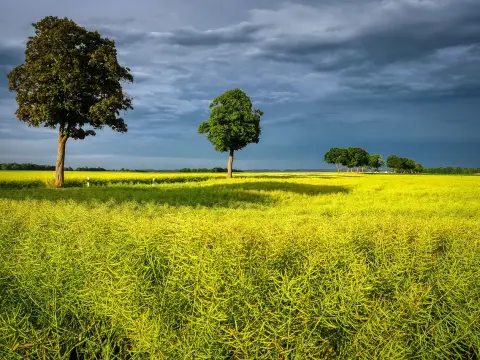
{"points": [[264, 266]]}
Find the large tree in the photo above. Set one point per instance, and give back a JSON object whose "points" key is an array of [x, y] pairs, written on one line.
{"points": [[233, 123], [337, 156], [70, 81]]}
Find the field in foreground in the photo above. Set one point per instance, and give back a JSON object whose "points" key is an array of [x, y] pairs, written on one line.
{"points": [[269, 266]]}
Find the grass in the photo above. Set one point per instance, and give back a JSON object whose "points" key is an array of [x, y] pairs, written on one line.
{"points": [[268, 266]]}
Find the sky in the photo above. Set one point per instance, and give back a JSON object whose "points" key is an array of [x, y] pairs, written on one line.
{"points": [[391, 76]]}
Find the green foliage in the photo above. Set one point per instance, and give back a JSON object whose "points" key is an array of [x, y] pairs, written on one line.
{"points": [[70, 79], [294, 267], [86, 168], [27, 166], [393, 162], [337, 156], [452, 170], [351, 157], [375, 161], [232, 124], [357, 157], [205, 170], [403, 164]]}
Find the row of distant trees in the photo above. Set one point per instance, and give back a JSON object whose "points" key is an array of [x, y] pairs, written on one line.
{"points": [[30, 166], [206, 170], [403, 165], [376, 162], [358, 158], [353, 158], [26, 166], [452, 170]]}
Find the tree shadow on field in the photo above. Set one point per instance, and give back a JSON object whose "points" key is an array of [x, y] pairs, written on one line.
{"points": [[216, 195]]}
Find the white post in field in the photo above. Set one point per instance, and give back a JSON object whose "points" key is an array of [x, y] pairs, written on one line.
{"points": [[153, 181], [88, 181]]}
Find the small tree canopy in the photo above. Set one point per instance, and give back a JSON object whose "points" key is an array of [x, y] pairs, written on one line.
{"points": [[70, 79], [403, 164], [419, 168], [336, 156], [394, 162], [232, 124], [357, 157], [376, 161]]}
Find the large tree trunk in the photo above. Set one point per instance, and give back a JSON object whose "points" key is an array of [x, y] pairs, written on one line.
{"points": [[60, 164], [338, 167], [230, 163]]}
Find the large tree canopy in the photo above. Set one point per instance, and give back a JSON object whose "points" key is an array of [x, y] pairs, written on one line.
{"points": [[71, 80], [233, 123]]}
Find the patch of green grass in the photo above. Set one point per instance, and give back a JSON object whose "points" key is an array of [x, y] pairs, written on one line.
{"points": [[268, 266]]}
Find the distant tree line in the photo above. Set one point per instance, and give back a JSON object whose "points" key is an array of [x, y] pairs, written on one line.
{"points": [[404, 165], [353, 158], [27, 166], [205, 170], [358, 158], [30, 166], [452, 170], [86, 168]]}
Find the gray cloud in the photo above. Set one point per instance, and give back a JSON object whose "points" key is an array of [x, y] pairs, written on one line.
{"points": [[11, 55], [241, 33]]}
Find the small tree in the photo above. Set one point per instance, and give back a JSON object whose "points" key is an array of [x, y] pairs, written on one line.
{"points": [[394, 162], [357, 157], [409, 165], [233, 123], [336, 156], [418, 168], [70, 79], [376, 162]]}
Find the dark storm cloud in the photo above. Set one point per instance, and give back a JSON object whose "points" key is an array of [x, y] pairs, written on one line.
{"points": [[412, 33], [241, 33], [11, 56], [236, 34]]}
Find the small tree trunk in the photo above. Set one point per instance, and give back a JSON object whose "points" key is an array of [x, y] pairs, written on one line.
{"points": [[60, 164], [230, 163]]}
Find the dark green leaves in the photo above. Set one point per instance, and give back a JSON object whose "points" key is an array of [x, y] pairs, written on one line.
{"points": [[233, 124], [376, 161], [70, 79], [403, 164], [336, 156]]}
